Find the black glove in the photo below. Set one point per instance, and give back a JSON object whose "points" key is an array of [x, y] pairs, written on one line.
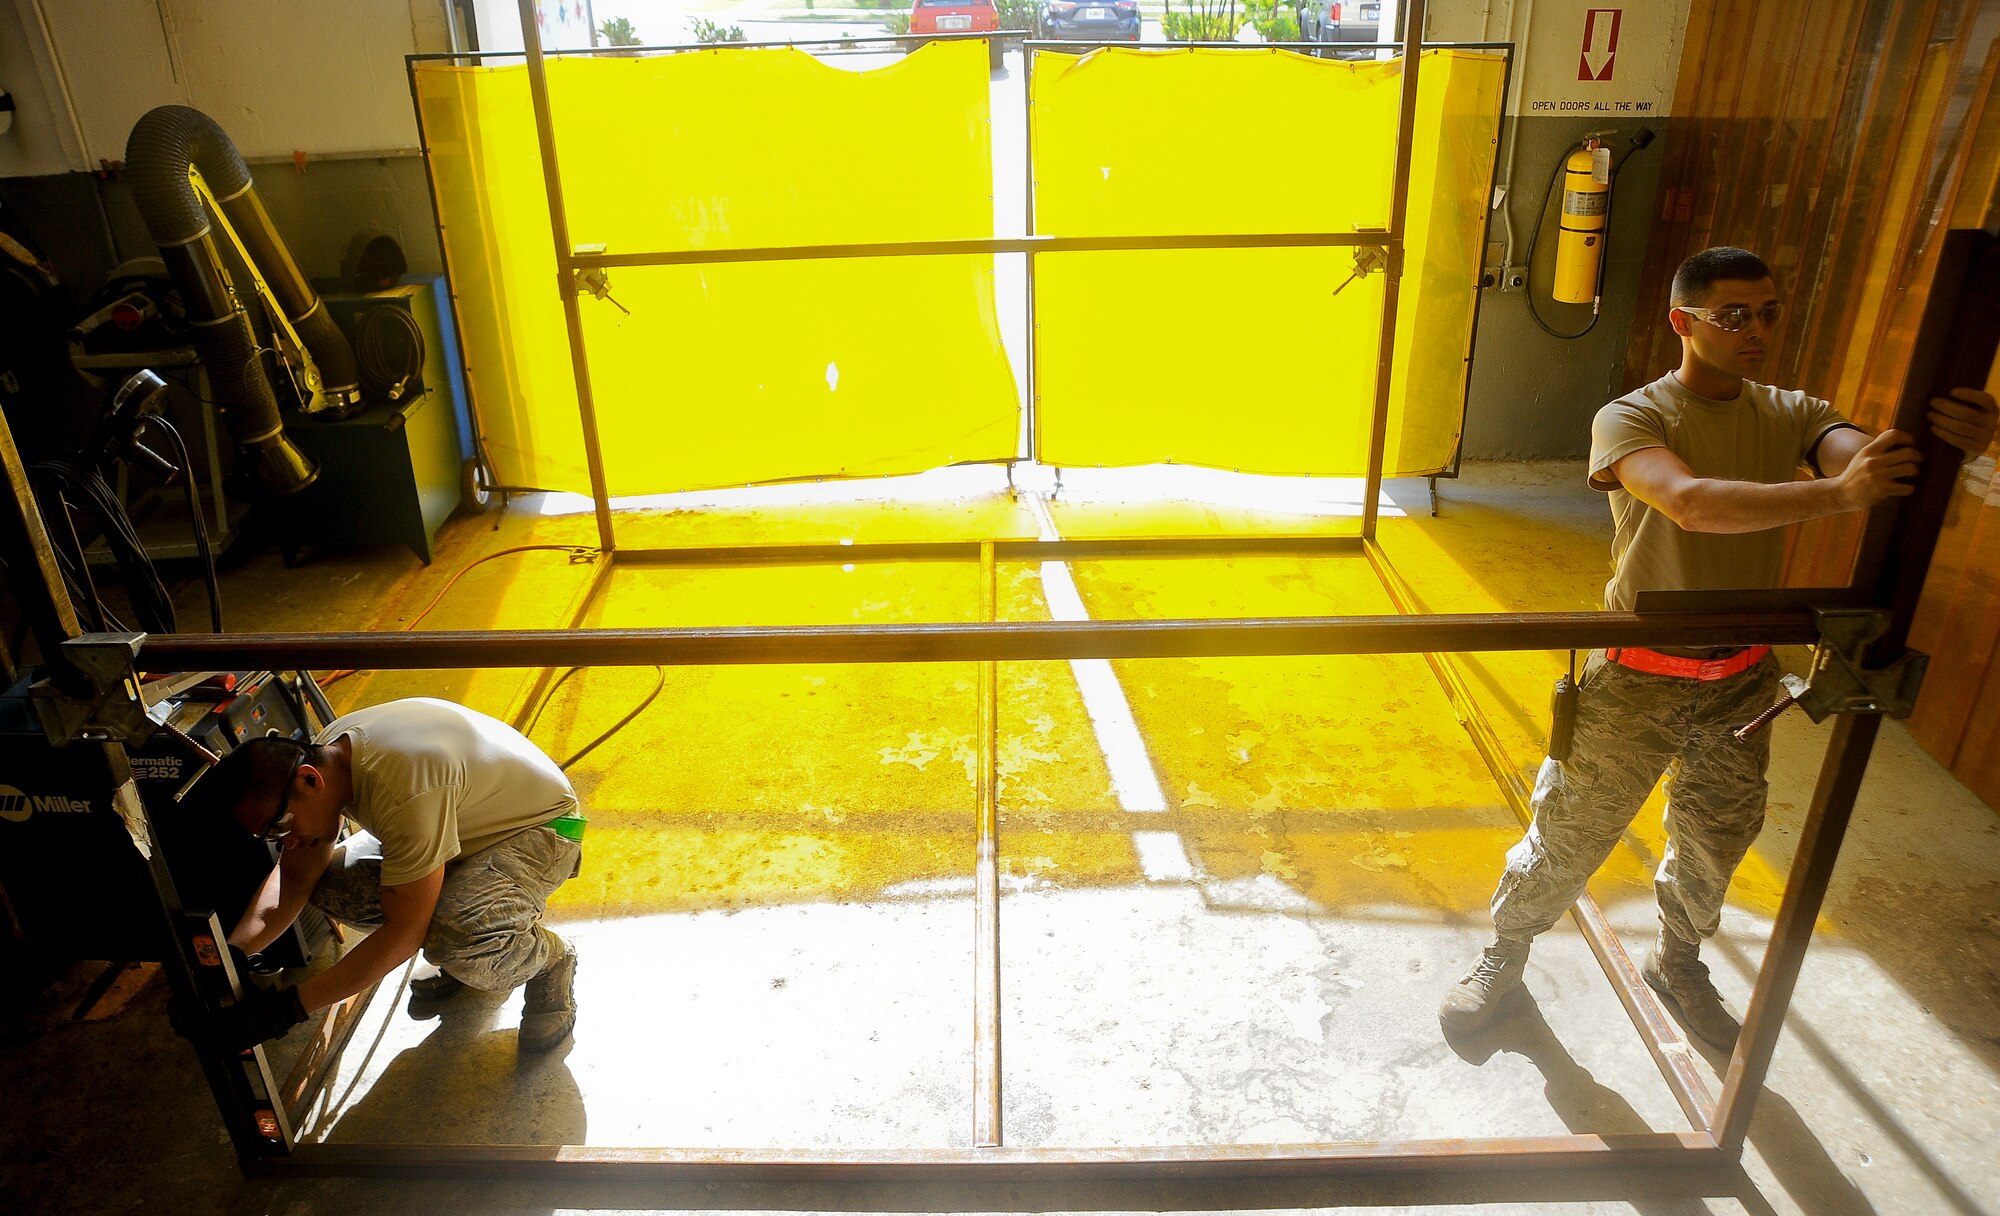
{"points": [[252, 964], [263, 1013]]}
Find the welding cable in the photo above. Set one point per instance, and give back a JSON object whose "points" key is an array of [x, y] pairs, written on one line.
{"points": [[658, 684], [381, 369], [196, 520], [453, 582], [91, 613], [83, 599], [152, 607]]}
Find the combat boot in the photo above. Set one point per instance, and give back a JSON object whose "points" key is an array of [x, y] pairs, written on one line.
{"points": [[440, 987], [548, 1008], [1674, 970], [1472, 1001]]}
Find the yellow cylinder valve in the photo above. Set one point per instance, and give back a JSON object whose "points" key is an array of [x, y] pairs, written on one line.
{"points": [[1580, 238]]}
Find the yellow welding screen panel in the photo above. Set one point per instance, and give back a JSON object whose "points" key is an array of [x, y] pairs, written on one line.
{"points": [[1451, 175], [1262, 360], [479, 132], [720, 374], [858, 368]]}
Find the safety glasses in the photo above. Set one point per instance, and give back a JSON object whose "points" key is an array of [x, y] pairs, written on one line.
{"points": [[1737, 318], [281, 822]]}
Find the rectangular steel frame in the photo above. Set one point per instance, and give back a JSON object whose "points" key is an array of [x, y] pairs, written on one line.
{"points": [[1960, 327]]}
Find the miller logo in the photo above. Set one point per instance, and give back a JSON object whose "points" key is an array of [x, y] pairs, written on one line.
{"points": [[15, 806]]}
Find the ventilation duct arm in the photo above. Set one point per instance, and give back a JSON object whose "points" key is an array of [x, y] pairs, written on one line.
{"points": [[164, 146]]}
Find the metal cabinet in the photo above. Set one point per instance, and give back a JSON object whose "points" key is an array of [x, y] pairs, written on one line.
{"points": [[392, 474]]}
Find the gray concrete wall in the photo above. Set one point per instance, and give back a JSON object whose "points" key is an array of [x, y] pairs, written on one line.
{"points": [[1532, 396], [317, 211], [1579, 66], [86, 224]]}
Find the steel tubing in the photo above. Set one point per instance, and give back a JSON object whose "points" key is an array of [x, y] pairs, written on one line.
{"points": [[586, 400], [1006, 550], [1662, 1037], [1392, 286], [1805, 890], [309, 1073], [974, 245], [967, 642], [586, 597], [575, 1162], [864, 43], [1954, 346], [986, 1088]]}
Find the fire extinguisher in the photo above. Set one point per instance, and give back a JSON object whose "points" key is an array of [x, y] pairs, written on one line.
{"points": [[1580, 231], [1588, 172]]}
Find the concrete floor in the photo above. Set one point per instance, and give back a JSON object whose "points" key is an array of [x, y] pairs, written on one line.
{"points": [[1233, 892]]}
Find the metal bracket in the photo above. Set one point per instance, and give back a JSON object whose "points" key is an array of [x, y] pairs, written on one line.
{"points": [[115, 710], [1367, 260], [1839, 684], [594, 281]]}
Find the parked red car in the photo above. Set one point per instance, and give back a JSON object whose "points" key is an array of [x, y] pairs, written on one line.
{"points": [[958, 17]]}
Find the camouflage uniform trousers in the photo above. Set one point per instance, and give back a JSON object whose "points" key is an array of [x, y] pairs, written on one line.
{"points": [[487, 928], [1630, 727]]}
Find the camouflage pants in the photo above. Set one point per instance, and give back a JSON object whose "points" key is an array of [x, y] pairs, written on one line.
{"points": [[487, 929], [1630, 727]]}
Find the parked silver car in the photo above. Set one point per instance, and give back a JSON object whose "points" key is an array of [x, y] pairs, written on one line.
{"points": [[1332, 22]]}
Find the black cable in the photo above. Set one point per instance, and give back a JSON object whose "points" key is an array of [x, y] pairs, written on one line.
{"points": [[549, 696], [617, 726], [1640, 140], [70, 564], [620, 724], [1541, 217], [380, 368], [317, 698], [151, 605], [195, 517]]}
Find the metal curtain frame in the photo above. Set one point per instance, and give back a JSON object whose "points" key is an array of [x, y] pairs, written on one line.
{"points": [[1956, 340], [1896, 556], [987, 643], [569, 262]]}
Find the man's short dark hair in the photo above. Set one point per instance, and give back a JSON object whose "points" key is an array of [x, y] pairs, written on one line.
{"points": [[1711, 266], [256, 768]]}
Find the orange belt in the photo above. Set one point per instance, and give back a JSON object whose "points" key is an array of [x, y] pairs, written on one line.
{"points": [[1655, 663]]}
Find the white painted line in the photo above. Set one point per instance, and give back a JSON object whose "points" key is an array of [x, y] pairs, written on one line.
{"points": [[1162, 855], [1163, 858], [1125, 755]]}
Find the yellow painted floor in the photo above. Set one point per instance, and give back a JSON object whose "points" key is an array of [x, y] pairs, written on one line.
{"points": [[844, 781], [1233, 889], [1289, 820]]}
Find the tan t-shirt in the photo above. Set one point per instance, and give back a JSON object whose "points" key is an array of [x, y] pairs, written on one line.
{"points": [[434, 781], [1764, 435]]}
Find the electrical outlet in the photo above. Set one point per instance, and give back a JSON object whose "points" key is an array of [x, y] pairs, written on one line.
{"points": [[1513, 278]]}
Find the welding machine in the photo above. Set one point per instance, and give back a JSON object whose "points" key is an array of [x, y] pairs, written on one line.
{"points": [[69, 862]]}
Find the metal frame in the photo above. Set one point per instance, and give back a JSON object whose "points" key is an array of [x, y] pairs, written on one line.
{"points": [[570, 263], [1895, 559], [1956, 339]]}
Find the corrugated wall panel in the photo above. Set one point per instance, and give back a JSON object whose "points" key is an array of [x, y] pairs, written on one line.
{"points": [[1835, 138]]}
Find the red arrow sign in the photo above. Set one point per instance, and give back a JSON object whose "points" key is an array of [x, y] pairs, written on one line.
{"points": [[1600, 43]]}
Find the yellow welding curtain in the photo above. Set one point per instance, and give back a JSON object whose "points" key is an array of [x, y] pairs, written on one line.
{"points": [[717, 375], [1262, 360]]}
